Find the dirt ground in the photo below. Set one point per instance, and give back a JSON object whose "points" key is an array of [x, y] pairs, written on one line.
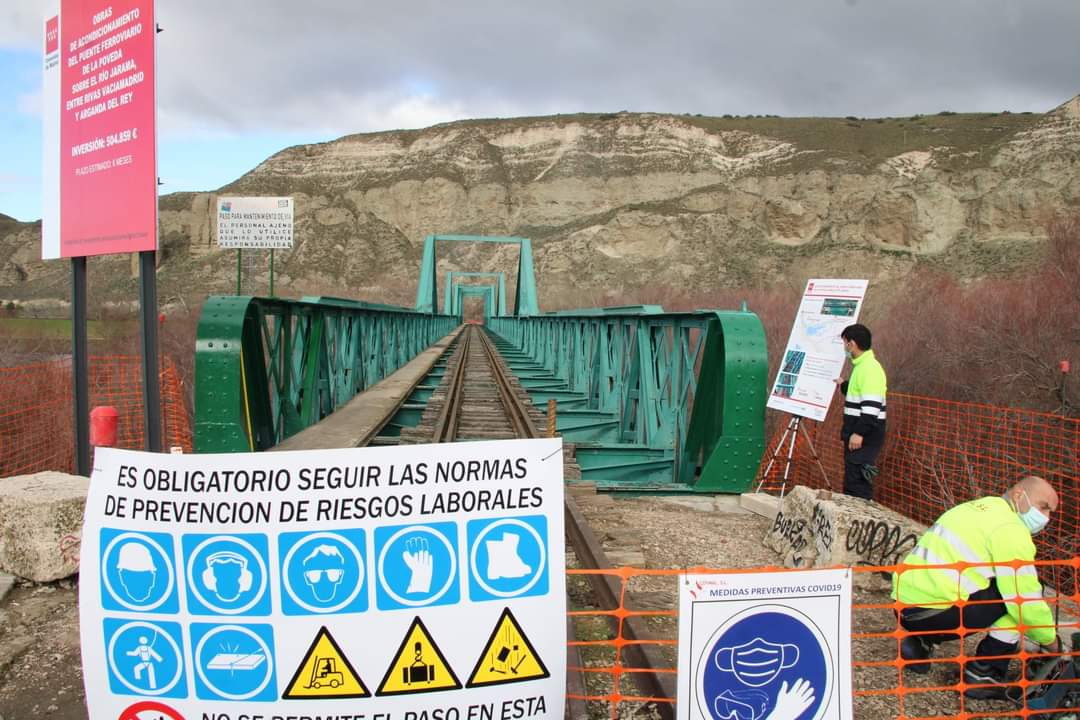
{"points": [[40, 664], [690, 532]]}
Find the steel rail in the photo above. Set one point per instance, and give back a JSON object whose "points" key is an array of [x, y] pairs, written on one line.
{"points": [[446, 424], [512, 402], [643, 650]]}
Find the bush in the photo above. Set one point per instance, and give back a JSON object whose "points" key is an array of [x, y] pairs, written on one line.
{"points": [[993, 341]]}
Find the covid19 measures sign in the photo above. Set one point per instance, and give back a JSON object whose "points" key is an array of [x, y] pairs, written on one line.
{"points": [[765, 646], [400, 583]]}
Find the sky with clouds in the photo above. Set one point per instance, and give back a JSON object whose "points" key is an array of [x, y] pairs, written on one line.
{"points": [[239, 80]]}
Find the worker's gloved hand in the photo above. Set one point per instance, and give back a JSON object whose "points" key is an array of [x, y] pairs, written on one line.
{"points": [[420, 563]]}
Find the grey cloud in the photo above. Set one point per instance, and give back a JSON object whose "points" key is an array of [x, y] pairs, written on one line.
{"points": [[291, 65]]}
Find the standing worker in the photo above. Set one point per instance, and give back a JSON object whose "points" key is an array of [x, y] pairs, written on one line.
{"points": [[863, 431], [1001, 597]]}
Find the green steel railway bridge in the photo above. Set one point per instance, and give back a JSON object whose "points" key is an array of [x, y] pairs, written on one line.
{"points": [[646, 400]]}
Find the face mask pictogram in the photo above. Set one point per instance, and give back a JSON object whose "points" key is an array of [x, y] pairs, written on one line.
{"points": [[757, 662]]}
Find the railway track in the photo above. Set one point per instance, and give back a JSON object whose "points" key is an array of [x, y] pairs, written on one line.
{"points": [[480, 399]]}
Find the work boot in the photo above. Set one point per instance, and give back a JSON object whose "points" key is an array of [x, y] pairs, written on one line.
{"points": [[993, 676], [914, 647]]}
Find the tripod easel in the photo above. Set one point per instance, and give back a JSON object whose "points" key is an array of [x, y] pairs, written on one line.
{"points": [[791, 431]]}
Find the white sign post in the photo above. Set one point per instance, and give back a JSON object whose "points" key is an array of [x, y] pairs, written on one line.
{"points": [[255, 223], [402, 583], [814, 356], [760, 646]]}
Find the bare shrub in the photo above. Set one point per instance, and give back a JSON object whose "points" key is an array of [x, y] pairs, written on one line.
{"points": [[998, 341]]}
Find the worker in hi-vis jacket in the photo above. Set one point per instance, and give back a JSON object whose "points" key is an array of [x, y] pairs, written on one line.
{"points": [[863, 431], [1004, 598]]}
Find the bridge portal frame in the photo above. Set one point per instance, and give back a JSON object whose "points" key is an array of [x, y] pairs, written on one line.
{"points": [[526, 300], [452, 300]]}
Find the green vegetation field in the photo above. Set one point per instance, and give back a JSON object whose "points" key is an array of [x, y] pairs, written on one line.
{"points": [[60, 328]]}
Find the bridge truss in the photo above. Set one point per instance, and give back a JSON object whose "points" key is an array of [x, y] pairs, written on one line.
{"points": [[650, 400]]}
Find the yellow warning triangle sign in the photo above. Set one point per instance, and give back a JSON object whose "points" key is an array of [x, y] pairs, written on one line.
{"points": [[419, 666], [325, 672], [508, 656]]}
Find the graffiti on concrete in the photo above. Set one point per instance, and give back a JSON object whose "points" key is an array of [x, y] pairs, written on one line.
{"points": [[793, 532], [822, 530], [69, 549], [879, 542]]}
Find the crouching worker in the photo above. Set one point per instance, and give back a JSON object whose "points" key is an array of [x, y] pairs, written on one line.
{"points": [[990, 529]]}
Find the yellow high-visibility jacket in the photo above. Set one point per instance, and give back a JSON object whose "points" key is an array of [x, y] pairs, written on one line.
{"points": [[864, 400], [983, 530]]}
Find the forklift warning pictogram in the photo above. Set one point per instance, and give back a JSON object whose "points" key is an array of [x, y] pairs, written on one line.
{"points": [[419, 666], [508, 656], [325, 672]]}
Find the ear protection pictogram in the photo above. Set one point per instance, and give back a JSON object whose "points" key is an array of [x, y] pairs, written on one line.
{"points": [[227, 556]]}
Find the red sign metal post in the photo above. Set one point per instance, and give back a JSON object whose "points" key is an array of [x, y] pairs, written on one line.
{"points": [[100, 167]]}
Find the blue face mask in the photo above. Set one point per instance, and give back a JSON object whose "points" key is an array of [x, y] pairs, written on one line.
{"points": [[1033, 518]]}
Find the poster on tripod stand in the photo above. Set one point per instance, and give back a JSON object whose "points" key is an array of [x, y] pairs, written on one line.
{"points": [[814, 356]]}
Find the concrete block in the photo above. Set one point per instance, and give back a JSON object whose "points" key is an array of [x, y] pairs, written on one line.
{"points": [[731, 504], [41, 524], [817, 528], [760, 503]]}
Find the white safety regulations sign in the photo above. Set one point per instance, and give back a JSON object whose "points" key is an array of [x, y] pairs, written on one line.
{"points": [[814, 356], [255, 222], [391, 583], [765, 646]]}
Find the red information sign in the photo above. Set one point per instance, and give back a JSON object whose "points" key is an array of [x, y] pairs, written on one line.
{"points": [[106, 168]]}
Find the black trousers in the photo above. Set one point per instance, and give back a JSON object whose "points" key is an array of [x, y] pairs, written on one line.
{"points": [[855, 482], [979, 616]]}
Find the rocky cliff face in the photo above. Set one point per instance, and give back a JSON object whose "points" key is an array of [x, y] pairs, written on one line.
{"points": [[625, 200]]}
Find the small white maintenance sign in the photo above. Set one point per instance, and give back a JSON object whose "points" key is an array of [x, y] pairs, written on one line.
{"points": [[404, 583], [255, 222]]}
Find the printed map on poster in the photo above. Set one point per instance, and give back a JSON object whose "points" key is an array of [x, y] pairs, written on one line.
{"points": [[814, 356]]}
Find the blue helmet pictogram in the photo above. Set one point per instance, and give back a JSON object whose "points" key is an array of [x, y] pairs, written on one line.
{"points": [[136, 569]]}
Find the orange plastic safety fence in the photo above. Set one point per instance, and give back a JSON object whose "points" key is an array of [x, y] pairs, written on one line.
{"points": [[940, 453], [36, 411], [883, 684]]}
